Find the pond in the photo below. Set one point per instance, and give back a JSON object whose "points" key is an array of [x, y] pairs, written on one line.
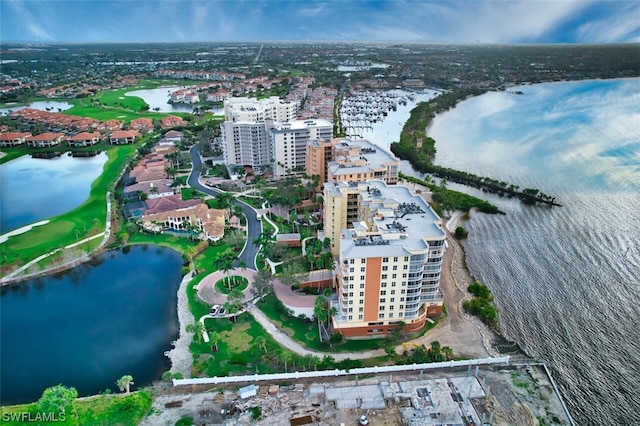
{"points": [[91, 325], [52, 106], [33, 189], [158, 98]]}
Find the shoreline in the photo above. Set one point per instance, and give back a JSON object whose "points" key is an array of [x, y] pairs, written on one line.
{"points": [[180, 355], [22, 230]]}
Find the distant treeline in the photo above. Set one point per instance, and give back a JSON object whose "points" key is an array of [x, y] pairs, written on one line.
{"points": [[419, 149]]}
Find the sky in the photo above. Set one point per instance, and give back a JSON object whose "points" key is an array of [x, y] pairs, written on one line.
{"points": [[428, 21]]}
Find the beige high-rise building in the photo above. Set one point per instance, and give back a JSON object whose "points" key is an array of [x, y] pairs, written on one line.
{"points": [[390, 245], [344, 160]]}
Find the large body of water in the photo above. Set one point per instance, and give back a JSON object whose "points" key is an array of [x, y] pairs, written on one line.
{"points": [[566, 280], [33, 189], [91, 325]]}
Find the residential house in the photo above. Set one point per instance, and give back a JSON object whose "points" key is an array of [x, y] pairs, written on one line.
{"points": [[123, 137], [13, 138], [171, 121], [207, 223], [143, 125], [45, 140], [85, 139]]}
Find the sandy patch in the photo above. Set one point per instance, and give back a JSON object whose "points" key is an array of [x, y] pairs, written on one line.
{"points": [[5, 237]]}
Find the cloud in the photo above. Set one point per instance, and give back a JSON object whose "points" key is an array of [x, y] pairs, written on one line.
{"points": [[32, 24], [621, 24]]}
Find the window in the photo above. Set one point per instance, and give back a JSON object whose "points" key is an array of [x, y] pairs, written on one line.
{"points": [[406, 258], [384, 276], [351, 269], [360, 309], [394, 275], [350, 317], [385, 268], [383, 300], [350, 310], [350, 286], [393, 299], [350, 294], [403, 291], [393, 292], [382, 308], [383, 292], [395, 259], [362, 269], [362, 277], [385, 259], [401, 306], [380, 316], [351, 302], [362, 285], [360, 317], [362, 301], [391, 309], [404, 275], [352, 261], [405, 267], [363, 260], [362, 294], [383, 285]]}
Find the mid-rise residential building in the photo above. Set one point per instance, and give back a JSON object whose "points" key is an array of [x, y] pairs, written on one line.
{"points": [[289, 143], [85, 139], [389, 257], [344, 160]]}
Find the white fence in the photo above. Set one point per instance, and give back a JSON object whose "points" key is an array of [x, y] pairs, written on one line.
{"points": [[336, 373]]}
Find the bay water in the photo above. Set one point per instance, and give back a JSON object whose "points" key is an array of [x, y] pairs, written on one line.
{"points": [[566, 279]]}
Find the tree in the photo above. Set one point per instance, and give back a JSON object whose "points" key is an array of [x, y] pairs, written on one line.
{"points": [[224, 262], [234, 303], [235, 239], [293, 274], [262, 343], [124, 383], [286, 358], [320, 312], [57, 399], [197, 328], [262, 284], [215, 338]]}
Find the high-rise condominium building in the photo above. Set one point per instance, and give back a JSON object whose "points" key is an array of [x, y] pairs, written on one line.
{"points": [[389, 259], [289, 143], [245, 137]]}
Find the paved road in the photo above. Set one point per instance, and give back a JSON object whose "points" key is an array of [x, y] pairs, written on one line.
{"points": [[254, 227]]}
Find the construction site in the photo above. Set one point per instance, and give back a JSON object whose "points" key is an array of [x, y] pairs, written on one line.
{"points": [[508, 394]]}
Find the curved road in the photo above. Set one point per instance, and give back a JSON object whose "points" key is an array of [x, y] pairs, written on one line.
{"points": [[254, 227]]}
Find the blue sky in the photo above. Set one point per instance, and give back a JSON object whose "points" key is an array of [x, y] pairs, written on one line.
{"points": [[439, 21]]}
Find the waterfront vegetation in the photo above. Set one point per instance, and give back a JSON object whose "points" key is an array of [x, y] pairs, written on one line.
{"points": [[419, 149], [104, 409], [482, 304]]}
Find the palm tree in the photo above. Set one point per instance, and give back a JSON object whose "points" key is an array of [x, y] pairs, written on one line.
{"points": [[197, 328], [320, 312], [215, 338], [286, 357], [224, 262], [124, 383]]}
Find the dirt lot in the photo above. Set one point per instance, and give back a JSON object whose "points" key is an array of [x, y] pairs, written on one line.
{"points": [[511, 395]]}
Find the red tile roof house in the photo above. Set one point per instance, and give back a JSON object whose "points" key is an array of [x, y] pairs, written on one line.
{"points": [[171, 121], [209, 222], [44, 140], [153, 189], [142, 124], [85, 139], [13, 138], [123, 137]]}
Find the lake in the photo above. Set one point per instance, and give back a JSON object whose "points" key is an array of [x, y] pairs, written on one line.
{"points": [[565, 279], [33, 189], [91, 325], [158, 98], [52, 106]]}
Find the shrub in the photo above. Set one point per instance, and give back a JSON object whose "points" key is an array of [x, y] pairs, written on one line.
{"points": [[461, 232]]}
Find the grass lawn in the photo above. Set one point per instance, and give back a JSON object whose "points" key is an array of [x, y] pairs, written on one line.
{"points": [[256, 203], [97, 410], [237, 282], [87, 219], [306, 332]]}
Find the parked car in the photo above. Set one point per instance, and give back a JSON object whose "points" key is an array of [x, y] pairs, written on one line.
{"points": [[215, 309]]}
